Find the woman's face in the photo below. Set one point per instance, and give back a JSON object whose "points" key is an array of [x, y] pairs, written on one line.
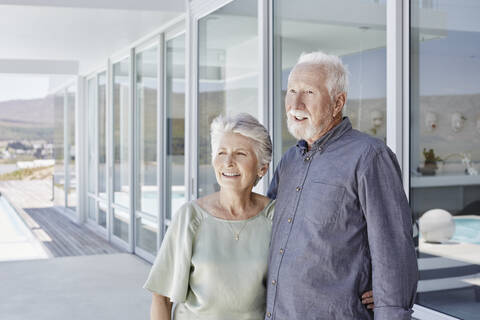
{"points": [[235, 162]]}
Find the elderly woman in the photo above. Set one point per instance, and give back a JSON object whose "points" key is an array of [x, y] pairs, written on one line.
{"points": [[213, 259]]}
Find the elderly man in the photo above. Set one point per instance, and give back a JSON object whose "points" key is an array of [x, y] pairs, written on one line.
{"points": [[342, 222]]}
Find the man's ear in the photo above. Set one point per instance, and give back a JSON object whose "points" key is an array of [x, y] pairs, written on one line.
{"points": [[340, 100]]}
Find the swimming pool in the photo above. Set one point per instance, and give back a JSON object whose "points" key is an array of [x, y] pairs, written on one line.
{"points": [[467, 230], [16, 240]]}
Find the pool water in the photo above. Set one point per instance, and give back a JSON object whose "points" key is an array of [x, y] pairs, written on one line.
{"points": [[467, 230]]}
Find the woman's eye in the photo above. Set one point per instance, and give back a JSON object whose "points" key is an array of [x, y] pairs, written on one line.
{"points": [[292, 91], [309, 92], [242, 153]]}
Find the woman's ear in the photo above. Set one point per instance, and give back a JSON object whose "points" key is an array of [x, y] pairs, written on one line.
{"points": [[263, 170]]}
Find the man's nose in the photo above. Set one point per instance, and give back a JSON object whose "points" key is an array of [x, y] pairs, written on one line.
{"points": [[296, 102]]}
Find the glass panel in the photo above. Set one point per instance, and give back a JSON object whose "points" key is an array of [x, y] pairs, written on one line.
{"points": [[102, 214], [146, 232], [59, 169], [146, 150], [72, 177], [228, 75], [102, 134], [121, 131], [121, 221], [358, 37], [146, 130], [175, 116], [445, 153], [91, 208], [121, 135], [92, 115]]}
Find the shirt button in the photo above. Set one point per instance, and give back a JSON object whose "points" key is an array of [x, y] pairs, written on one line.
{"points": [[289, 220], [281, 250], [307, 159], [298, 189], [269, 314], [274, 282]]}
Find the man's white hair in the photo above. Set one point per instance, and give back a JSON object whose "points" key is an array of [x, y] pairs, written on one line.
{"points": [[247, 126], [336, 71]]}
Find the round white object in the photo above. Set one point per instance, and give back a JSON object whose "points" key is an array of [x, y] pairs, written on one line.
{"points": [[436, 225]]}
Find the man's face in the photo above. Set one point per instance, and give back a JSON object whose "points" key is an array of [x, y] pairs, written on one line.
{"points": [[308, 104]]}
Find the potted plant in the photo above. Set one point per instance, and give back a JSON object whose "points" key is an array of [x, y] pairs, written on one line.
{"points": [[430, 164]]}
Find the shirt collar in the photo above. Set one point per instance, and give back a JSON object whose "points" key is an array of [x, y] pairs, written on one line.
{"points": [[332, 135]]}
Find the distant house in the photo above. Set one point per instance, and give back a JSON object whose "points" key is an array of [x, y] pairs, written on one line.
{"points": [[17, 145]]}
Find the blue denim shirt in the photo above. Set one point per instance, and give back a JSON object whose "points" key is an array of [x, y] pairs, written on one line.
{"points": [[342, 226]]}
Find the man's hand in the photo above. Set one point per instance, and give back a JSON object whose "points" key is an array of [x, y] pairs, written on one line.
{"points": [[367, 298]]}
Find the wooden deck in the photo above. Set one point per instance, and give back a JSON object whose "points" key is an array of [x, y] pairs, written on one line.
{"points": [[59, 235]]}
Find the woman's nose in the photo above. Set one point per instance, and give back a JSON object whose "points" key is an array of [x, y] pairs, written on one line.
{"points": [[228, 159]]}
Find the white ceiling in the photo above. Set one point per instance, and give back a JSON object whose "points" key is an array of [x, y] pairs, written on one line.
{"points": [[74, 32]]}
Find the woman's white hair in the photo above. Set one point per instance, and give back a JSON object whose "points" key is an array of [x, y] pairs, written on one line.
{"points": [[336, 71], [247, 126]]}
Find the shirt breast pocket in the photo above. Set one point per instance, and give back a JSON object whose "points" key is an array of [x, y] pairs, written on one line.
{"points": [[322, 202]]}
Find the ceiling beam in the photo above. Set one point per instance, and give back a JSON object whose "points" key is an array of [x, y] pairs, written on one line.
{"points": [[148, 5], [50, 67]]}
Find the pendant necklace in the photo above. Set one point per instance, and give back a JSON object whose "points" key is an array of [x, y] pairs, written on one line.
{"points": [[235, 233]]}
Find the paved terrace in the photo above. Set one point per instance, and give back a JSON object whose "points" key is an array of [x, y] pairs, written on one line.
{"points": [[78, 275]]}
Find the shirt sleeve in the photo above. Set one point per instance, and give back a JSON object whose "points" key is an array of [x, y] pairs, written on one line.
{"points": [[170, 272], [389, 228]]}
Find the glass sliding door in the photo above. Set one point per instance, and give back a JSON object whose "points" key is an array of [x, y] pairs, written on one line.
{"points": [[357, 35], [102, 134], [121, 147], [70, 136], [228, 68], [175, 124], [102, 146], [146, 156], [59, 149], [91, 143], [445, 152]]}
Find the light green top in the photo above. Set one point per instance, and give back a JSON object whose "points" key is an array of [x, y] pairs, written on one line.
{"points": [[207, 272]]}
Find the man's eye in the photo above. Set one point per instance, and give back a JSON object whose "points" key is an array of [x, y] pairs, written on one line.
{"points": [[292, 91], [221, 153], [309, 92], [242, 153]]}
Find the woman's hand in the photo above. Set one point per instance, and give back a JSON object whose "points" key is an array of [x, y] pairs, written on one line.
{"points": [[161, 308], [367, 299]]}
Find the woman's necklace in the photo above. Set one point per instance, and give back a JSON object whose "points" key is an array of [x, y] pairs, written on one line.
{"points": [[235, 233]]}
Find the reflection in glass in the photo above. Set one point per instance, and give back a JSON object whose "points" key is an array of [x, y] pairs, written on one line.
{"points": [[146, 216], [72, 177], [445, 153], [175, 116], [102, 214], [91, 208], [228, 75], [102, 134], [59, 169], [121, 129], [121, 132], [146, 130], [121, 220], [358, 38], [92, 115]]}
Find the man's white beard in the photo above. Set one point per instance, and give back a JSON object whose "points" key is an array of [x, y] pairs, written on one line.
{"points": [[302, 130]]}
